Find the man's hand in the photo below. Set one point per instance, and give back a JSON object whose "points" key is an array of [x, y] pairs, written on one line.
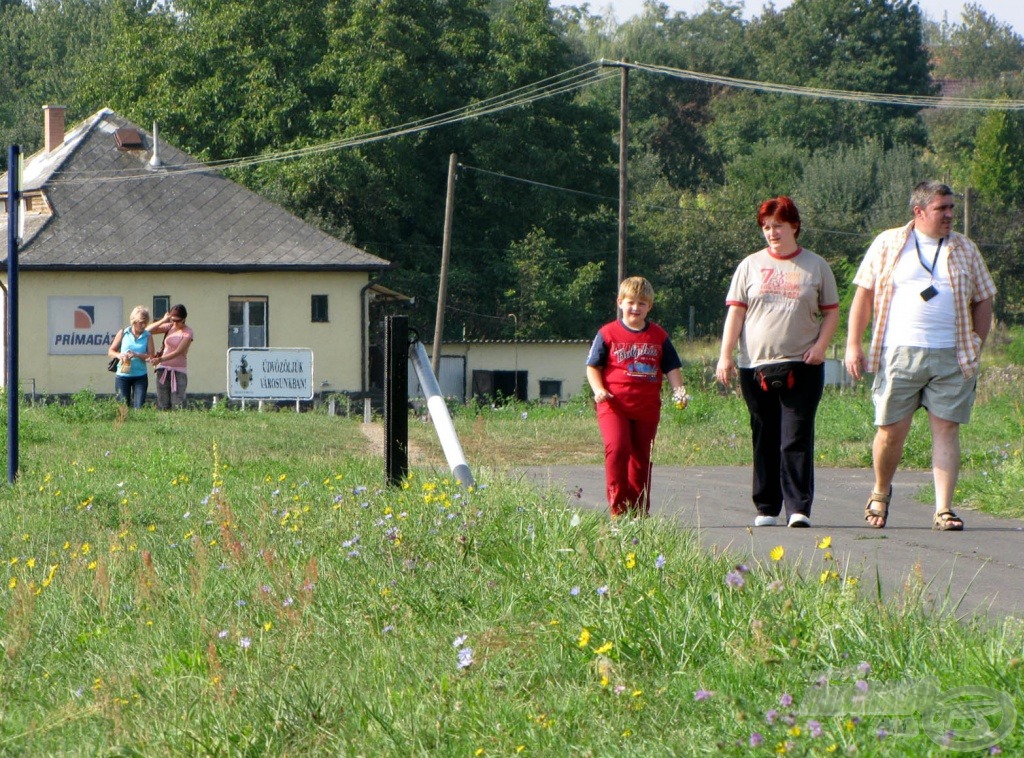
{"points": [[854, 361]]}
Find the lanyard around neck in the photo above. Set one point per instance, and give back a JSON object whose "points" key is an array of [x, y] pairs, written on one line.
{"points": [[935, 260]]}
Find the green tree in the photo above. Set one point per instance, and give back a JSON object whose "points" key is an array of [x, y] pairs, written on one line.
{"points": [[42, 47], [225, 78], [979, 47], [551, 298], [997, 170], [866, 47]]}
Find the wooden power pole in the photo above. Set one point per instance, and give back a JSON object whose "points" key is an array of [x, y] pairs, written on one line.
{"points": [[446, 252]]}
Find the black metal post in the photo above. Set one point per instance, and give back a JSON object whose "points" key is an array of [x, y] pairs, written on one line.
{"points": [[396, 398], [13, 382]]}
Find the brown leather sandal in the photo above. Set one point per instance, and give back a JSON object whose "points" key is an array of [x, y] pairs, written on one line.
{"points": [[947, 521], [880, 509]]}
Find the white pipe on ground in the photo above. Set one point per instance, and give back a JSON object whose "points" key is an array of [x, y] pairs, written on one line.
{"points": [[439, 415]]}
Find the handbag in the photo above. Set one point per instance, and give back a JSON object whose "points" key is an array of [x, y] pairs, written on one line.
{"points": [[112, 363]]}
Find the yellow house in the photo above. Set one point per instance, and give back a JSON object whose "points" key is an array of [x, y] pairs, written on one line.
{"points": [[114, 217]]}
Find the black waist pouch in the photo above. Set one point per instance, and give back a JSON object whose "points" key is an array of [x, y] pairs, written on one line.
{"points": [[777, 376]]}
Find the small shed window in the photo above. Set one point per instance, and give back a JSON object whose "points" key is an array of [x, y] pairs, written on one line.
{"points": [[318, 309], [161, 304], [551, 388]]}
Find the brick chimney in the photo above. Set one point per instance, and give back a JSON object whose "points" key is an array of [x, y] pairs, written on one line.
{"points": [[53, 126]]}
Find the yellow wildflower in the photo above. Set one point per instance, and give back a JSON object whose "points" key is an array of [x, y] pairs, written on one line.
{"points": [[584, 639], [777, 552], [825, 543]]}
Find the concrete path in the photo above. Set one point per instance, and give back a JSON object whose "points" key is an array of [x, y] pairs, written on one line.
{"points": [[978, 571]]}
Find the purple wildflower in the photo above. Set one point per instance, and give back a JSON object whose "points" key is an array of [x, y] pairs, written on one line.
{"points": [[460, 640], [861, 685], [756, 739], [882, 733], [245, 643], [388, 628], [223, 634], [786, 700], [659, 562], [465, 657], [700, 695], [574, 591], [735, 579], [864, 668], [603, 590], [814, 727], [771, 715]]}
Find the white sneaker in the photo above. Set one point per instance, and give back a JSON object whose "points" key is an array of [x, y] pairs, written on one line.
{"points": [[799, 520], [766, 521]]}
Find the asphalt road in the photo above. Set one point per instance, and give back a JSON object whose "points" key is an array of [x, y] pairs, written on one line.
{"points": [[977, 571]]}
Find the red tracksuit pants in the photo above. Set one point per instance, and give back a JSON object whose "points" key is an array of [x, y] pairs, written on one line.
{"points": [[628, 440]]}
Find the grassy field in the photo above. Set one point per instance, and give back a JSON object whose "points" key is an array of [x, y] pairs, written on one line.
{"points": [[226, 583]]}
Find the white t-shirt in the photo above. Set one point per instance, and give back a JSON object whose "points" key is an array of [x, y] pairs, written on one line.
{"points": [[915, 322]]}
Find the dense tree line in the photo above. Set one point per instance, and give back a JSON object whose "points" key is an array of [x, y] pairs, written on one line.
{"points": [[535, 229]]}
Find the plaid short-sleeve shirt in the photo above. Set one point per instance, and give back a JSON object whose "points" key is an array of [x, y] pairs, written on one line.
{"points": [[969, 279]]}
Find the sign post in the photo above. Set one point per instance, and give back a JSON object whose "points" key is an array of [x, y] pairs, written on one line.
{"points": [[13, 388]]}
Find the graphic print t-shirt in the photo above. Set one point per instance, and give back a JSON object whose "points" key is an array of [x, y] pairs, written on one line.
{"points": [[633, 363], [784, 299]]}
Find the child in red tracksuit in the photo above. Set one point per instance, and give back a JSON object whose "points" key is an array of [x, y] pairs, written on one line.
{"points": [[625, 366]]}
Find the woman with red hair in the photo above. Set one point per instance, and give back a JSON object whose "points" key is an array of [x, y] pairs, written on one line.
{"points": [[783, 309]]}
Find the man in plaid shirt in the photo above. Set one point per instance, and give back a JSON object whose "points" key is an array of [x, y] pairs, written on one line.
{"points": [[930, 294]]}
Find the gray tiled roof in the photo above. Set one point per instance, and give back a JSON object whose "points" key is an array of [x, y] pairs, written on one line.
{"points": [[111, 210]]}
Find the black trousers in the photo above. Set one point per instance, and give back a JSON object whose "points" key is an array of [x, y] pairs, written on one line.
{"points": [[782, 432]]}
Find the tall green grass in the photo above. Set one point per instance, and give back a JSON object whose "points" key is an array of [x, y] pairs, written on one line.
{"points": [[235, 583]]}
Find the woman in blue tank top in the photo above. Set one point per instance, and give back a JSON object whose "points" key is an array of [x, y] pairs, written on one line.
{"points": [[133, 347]]}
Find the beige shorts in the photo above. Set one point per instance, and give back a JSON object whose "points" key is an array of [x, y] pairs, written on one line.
{"points": [[911, 377]]}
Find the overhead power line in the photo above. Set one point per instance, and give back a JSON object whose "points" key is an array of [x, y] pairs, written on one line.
{"points": [[853, 96], [568, 81]]}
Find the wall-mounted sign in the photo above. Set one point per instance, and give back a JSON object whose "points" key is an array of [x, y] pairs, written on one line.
{"points": [[269, 373], [83, 325]]}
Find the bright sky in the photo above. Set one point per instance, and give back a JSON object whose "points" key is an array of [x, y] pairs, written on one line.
{"points": [[1007, 11]]}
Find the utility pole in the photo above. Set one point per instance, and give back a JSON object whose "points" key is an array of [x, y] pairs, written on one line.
{"points": [[446, 251], [623, 167], [967, 212]]}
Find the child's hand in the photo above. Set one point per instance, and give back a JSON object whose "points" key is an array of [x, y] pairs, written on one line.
{"points": [[680, 398], [601, 396]]}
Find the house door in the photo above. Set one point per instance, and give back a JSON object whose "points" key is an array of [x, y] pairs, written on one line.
{"points": [[247, 322]]}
